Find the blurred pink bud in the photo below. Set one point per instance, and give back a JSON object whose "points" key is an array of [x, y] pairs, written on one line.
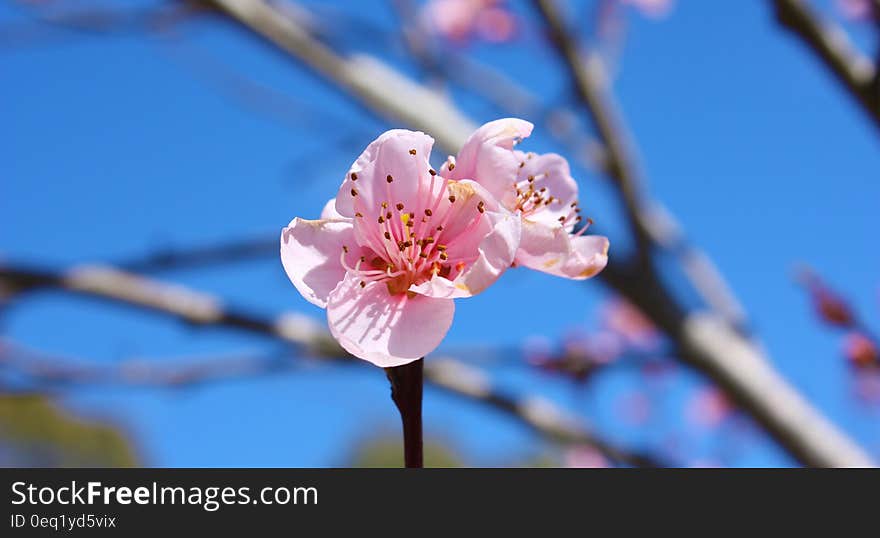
{"points": [[708, 407], [651, 8], [496, 25], [621, 317], [829, 306], [860, 351], [854, 9], [583, 457], [461, 20]]}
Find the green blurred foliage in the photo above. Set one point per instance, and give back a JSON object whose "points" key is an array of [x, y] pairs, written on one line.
{"points": [[35, 431], [387, 451]]}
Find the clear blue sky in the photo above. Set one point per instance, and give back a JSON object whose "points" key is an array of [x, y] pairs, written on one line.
{"points": [[113, 145]]}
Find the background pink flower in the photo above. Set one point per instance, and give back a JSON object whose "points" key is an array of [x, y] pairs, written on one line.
{"points": [[854, 9], [860, 351], [651, 8], [461, 20], [709, 407], [584, 457], [540, 189], [630, 324]]}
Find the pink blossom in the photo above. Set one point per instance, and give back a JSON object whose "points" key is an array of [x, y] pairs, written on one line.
{"points": [[854, 9], [860, 351], [651, 8], [709, 407], [830, 307], [397, 245], [459, 20], [540, 189], [584, 457], [622, 318]]}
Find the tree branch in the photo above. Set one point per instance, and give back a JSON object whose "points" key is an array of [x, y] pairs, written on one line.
{"points": [[830, 43], [200, 309], [704, 340], [589, 78]]}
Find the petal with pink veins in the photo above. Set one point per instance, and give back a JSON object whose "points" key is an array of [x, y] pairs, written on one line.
{"points": [[553, 250], [487, 156], [488, 248], [310, 253], [386, 330], [551, 173], [329, 211], [398, 153]]}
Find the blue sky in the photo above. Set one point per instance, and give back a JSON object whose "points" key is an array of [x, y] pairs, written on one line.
{"points": [[117, 144]]}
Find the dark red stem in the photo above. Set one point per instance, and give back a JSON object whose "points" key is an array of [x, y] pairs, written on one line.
{"points": [[406, 391]]}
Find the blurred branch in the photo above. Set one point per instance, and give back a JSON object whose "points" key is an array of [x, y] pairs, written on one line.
{"points": [[704, 339], [493, 86], [202, 309], [539, 414], [374, 83], [706, 342], [37, 370], [261, 99], [830, 43], [195, 308], [589, 79], [100, 20], [698, 267], [651, 224], [169, 258]]}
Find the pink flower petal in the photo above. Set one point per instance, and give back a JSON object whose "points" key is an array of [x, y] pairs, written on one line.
{"points": [[497, 252], [488, 248], [453, 19], [310, 253], [329, 211], [387, 155], [496, 24], [487, 158], [553, 250], [552, 173], [387, 330]]}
